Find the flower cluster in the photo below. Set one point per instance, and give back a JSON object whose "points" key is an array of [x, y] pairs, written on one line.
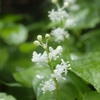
{"points": [[39, 58], [70, 22], [61, 68], [48, 86], [59, 34], [46, 57], [64, 17], [60, 13], [51, 54], [73, 6]]}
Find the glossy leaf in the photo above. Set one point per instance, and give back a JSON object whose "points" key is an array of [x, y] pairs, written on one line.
{"points": [[91, 95], [91, 41], [30, 77], [88, 68], [27, 76], [83, 19]]}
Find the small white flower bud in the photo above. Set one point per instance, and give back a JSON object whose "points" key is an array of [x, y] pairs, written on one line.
{"points": [[54, 1], [47, 36], [36, 43], [66, 4], [69, 68], [39, 37]]}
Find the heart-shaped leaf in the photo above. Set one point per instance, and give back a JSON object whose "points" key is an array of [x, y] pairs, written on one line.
{"points": [[88, 68]]}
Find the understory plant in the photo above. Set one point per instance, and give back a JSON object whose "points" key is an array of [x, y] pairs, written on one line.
{"points": [[61, 81], [61, 64]]}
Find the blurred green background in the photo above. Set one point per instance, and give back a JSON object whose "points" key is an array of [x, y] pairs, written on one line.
{"points": [[22, 20]]}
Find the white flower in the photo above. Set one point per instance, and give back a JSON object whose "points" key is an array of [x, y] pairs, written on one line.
{"points": [[54, 54], [59, 34], [48, 86], [58, 15], [70, 1], [61, 68], [66, 4], [54, 1], [65, 66], [39, 58], [74, 7], [74, 57], [39, 76], [57, 74], [70, 22]]}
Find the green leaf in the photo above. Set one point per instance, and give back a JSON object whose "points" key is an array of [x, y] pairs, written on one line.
{"points": [[1, 25], [11, 18], [22, 93], [88, 68], [69, 92], [3, 96], [91, 40], [3, 57], [91, 95], [66, 91], [29, 77], [26, 47], [14, 34], [77, 81], [85, 18], [18, 64]]}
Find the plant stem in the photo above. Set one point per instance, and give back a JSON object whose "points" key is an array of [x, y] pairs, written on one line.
{"points": [[57, 89], [66, 41], [67, 48], [52, 71]]}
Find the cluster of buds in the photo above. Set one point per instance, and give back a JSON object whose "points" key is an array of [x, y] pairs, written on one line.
{"points": [[39, 41]]}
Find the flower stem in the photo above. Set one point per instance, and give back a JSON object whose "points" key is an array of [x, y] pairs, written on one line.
{"points": [[52, 71], [67, 48], [57, 89]]}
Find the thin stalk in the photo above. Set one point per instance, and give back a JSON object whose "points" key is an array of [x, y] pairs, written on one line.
{"points": [[66, 42], [57, 89], [52, 71], [67, 48]]}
